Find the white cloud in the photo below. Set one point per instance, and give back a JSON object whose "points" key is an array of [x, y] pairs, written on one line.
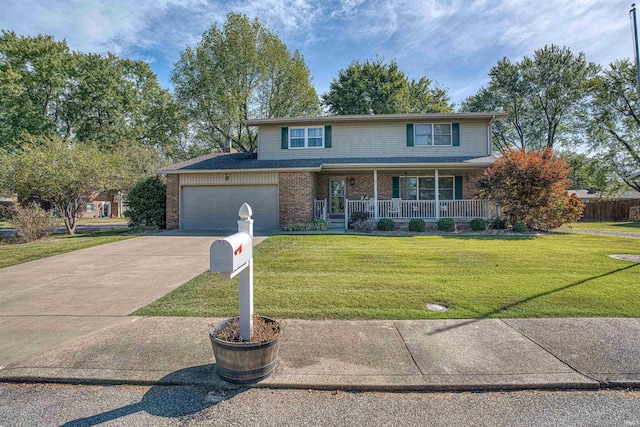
{"points": [[452, 41]]}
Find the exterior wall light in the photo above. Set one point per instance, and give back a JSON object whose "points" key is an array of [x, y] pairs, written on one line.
{"points": [[352, 181]]}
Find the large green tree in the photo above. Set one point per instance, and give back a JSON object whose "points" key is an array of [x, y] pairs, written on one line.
{"points": [[33, 78], [614, 124], [374, 87], [591, 173], [45, 89], [57, 170], [240, 71], [543, 96]]}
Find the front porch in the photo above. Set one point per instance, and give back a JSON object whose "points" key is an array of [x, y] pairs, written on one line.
{"points": [[408, 209], [400, 195]]}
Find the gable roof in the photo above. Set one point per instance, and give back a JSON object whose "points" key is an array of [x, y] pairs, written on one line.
{"points": [[249, 161], [378, 118]]}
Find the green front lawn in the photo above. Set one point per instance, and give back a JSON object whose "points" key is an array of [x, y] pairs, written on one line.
{"points": [[81, 221], [618, 227], [12, 254], [366, 277]]}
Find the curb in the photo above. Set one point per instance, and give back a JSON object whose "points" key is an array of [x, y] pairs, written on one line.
{"points": [[218, 383]]}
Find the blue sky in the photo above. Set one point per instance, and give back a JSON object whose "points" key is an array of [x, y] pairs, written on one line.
{"points": [[452, 42]]}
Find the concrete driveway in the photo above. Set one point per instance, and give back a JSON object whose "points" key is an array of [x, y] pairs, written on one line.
{"points": [[45, 302]]}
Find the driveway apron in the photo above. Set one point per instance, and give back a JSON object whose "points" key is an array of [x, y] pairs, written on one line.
{"points": [[45, 302]]}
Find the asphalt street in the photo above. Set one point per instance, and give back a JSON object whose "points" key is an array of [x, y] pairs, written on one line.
{"points": [[50, 405]]}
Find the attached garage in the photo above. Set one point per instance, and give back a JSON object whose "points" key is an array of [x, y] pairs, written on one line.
{"points": [[210, 201], [216, 206]]}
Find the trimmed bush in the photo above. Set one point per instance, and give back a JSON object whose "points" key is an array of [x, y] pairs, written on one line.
{"points": [[32, 223], [478, 224], [357, 216], [519, 227], [417, 224], [446, 224], [147, 204], [364, 226], [499, 223], [386, 224], [315, 225]]}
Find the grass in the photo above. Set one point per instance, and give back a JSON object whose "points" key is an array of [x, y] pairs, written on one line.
{"points": [[618, 227], [367, 277], [12, 254], [81, 221]]}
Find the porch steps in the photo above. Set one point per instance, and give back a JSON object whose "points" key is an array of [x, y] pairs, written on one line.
{"points": [[336, 223]]}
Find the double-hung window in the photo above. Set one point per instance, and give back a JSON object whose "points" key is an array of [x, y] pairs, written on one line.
{"points": [[424, 188], [306, 137], [433, 134]]}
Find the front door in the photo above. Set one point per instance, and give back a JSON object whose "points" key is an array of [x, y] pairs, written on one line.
{"points": [[337, 193]]}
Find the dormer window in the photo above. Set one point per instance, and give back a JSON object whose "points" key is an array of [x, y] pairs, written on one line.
{"points": [[311, 137]]}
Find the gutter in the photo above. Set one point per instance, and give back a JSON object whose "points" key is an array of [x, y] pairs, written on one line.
{"points": [[188, 171]]}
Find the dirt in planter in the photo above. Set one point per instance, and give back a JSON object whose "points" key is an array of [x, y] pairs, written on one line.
{"points": [[263, 331]]}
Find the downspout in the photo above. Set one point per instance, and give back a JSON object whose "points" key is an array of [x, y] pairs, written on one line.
{"points": [[490, 136]]}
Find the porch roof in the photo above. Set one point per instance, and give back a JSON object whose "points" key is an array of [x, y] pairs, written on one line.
{"points": [[249, 162]]}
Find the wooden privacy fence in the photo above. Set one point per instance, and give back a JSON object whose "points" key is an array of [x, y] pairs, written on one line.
{"points": [[609, 210]]}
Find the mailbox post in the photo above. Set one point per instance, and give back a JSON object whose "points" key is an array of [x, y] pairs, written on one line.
{"points": [[233, 256]]}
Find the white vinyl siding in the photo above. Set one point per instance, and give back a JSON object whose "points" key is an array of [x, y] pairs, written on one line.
{"points": [[374, 140]]}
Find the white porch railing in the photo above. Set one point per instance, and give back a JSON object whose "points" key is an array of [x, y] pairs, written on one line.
{"points": [[426, 209], [320, 209]]}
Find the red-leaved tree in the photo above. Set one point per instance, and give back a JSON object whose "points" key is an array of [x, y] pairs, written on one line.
{"points": [[532, 187]]}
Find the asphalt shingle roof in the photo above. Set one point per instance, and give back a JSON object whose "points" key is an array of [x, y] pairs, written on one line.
{"points": [[239, 161]]}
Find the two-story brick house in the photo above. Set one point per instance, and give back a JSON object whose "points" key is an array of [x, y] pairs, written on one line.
{"points": [[400, 166]]}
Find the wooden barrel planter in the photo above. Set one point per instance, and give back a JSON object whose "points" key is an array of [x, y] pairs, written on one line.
{"points": [[244, 362]]}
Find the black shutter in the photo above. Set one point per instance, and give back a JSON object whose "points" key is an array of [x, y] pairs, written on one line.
{"points": [[455, 134], [327, 136], [285, 138], [410, 135], [395, 187], [458, 188]]}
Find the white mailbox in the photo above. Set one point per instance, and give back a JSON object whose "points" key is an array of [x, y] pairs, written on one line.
{"points": [[231, 254]]}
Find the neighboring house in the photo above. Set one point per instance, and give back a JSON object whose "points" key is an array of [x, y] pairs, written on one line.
{"points": [[399, 166], [106, 204], [588, 196]]}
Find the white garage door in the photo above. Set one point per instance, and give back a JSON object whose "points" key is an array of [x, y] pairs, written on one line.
{"points": [[216, 207]]}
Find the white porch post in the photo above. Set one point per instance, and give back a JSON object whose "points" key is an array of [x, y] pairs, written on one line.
{"points": [[375, 194], [346, 214], [437, 196]]}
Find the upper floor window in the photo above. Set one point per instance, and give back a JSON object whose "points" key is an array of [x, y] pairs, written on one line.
{"points": [[306, 137], [433, 134]]}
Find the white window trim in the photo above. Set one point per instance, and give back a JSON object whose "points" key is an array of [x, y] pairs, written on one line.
{"points": [[417, 177], [306, 138], [415, 125]]}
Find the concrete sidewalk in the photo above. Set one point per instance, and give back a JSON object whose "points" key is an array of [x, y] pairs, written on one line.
{"points": [[425, 355]]}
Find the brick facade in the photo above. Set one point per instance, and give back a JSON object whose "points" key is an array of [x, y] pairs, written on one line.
{"points": [[470, 188], [296, 193], [173, 201]]}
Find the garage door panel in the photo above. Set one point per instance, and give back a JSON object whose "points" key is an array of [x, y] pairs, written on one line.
{"points": [[216, 207]]}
